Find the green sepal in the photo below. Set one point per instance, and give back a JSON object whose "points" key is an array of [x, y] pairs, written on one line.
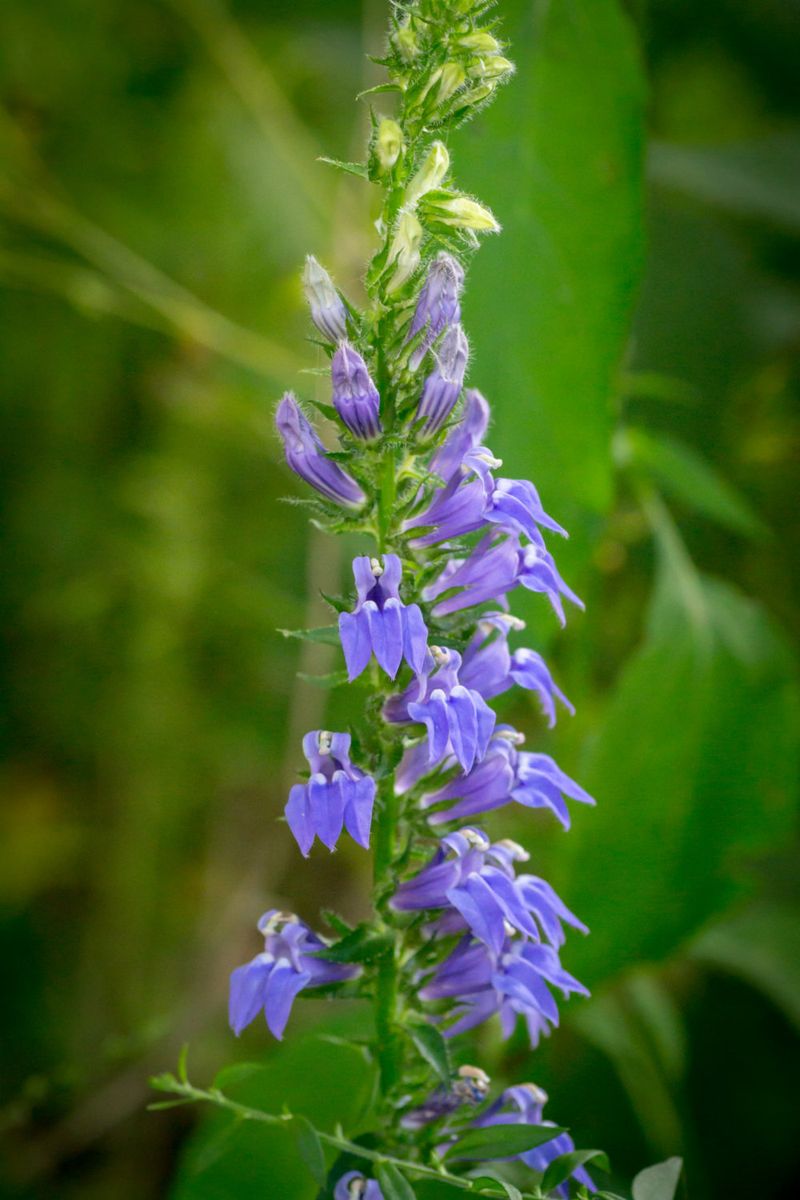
{"points": [[349, 168], [431, 1046]]}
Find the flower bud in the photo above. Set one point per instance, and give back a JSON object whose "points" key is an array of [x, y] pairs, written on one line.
{"points": [[404, 251], [327, 309], [405, 41], [431, 173], [451, 76], [493, 67], [355, 396], [461, 213], [388, 143], [481, 41]]}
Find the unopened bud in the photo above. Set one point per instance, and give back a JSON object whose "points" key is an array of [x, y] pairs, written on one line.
{"points": [[461, 213], [493, 67], [388, 143], [431, 174], [405, 41], [477, 95], [481, 41], [404, 251], [451, 77], [327, 309]]}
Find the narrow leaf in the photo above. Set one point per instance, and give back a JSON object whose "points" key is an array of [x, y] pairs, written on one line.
{"points": [[432, 1047], [491, 1185], [310, 1148], [658, 1182], [561, 1168], [349, 168], [393, 1185], [327, 635], [502, 1141], [333, 680]]}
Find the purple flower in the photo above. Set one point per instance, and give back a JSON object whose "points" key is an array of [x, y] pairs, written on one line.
{"points": [[327, 308], [467, 435], [458, 719], [337, 794], [443, 386], [512, 983], [306, 456], [355, 396], [496, 566], [470, 1087], [381, 624], [523, 1105], [490, 667], [272, 979], [437, 304], [474, 883], [505, 775], [473, 498], [355, 1186]]}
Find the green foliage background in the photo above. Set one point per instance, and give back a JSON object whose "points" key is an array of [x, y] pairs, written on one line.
{"points": [[636, 329]]}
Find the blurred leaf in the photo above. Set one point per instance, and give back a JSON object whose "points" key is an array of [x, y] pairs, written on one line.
{"points": [[360, 945], [326, 1083], [559, 159], [393, 1185], [310, 1148], [658, 1182], [685, 475], [760, 944], [561, 1168], [502, 1141], [327, 635], [432, 1047], [752, 179], [687, 781], [349, 168]]}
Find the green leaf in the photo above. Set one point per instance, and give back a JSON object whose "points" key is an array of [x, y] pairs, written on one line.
{"points": [[559, 161], [686, 476], [561, 1168], [502, 1141], [361, 945], [393, 1185], [310, 1148], [491, 1185], [659, 1182], [326, 635], [686, 779], [349, 168], [432, 1046]]}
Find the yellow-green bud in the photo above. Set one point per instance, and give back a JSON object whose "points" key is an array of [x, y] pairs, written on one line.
{"points": [[481, 41], [388, 143], [451, 76], [492, 68], [406, 42], [478, 94], [462, 213], [431, 173], [404, 250]]}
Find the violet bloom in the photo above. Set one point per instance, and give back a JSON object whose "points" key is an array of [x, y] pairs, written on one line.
{"points": [[457, 718], [496, 566], [327, 307], [443, 386], [470, 1087], [490, 667], [473, 881], [510, 984], [306, 456], [271, 980], [507, 775], [355, 1186], [355, 396], [473, 498], [437, 305], [524, 1105], [381, 623], [337, 794]]}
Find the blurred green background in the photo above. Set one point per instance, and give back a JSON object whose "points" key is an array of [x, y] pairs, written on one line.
{"points": [[636, 329]]}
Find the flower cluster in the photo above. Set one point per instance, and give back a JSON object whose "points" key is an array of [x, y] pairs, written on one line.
{"points": [[464, 932]]}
